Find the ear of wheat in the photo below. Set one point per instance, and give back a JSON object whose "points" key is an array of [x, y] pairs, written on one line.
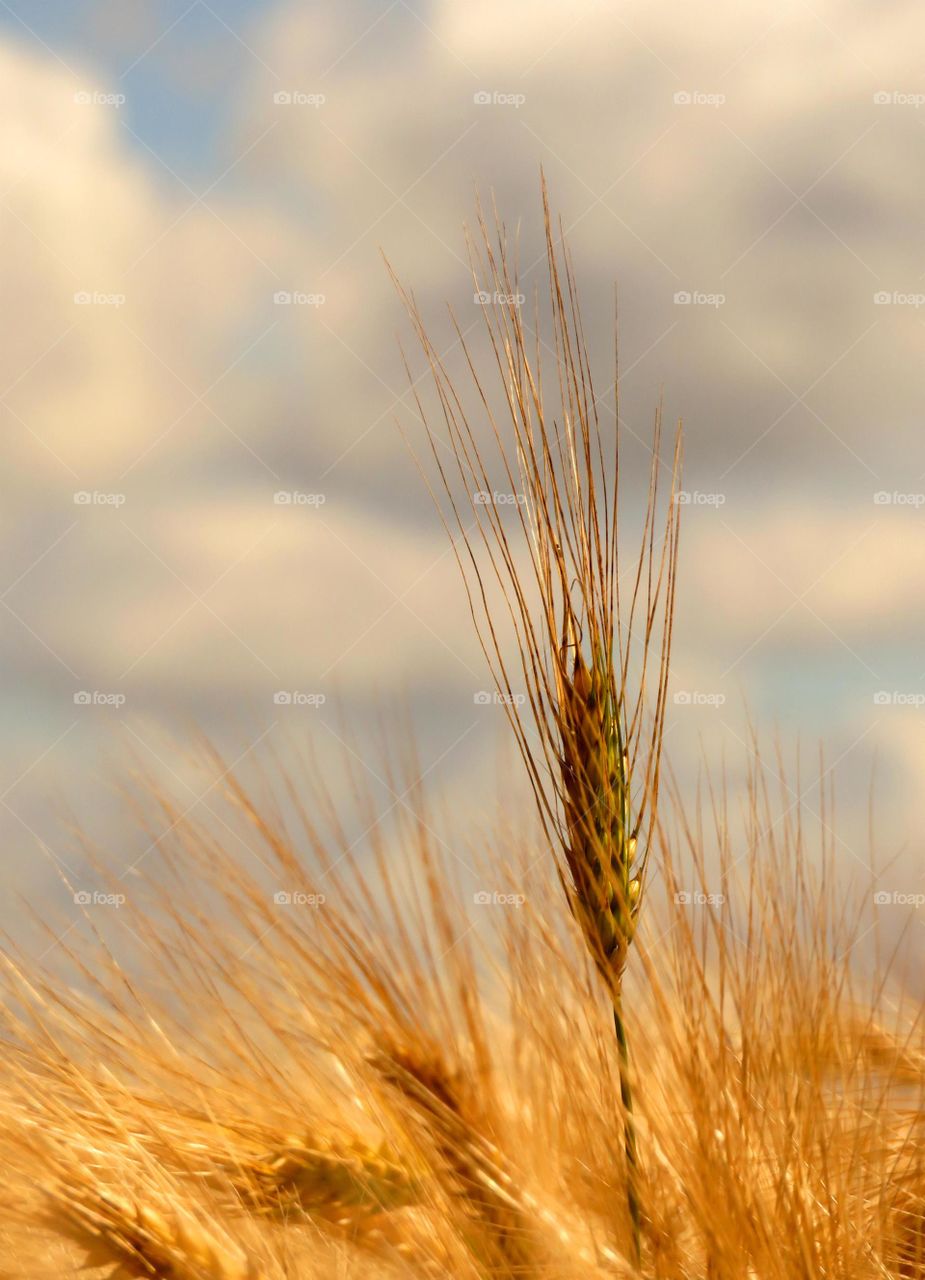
{"points": [[586, 661], [142, 1239], [342, 1183]]}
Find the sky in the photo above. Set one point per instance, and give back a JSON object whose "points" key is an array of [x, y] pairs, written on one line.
{"points": [[196, 201]]}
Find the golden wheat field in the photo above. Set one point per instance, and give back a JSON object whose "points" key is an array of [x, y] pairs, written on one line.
{"points": [[326, 1071]]}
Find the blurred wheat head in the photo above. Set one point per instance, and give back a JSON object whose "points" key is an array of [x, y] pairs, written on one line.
{"points": [[396, 1083]]}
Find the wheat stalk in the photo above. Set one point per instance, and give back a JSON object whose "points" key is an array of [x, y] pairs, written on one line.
{"points": [[584, 660]]}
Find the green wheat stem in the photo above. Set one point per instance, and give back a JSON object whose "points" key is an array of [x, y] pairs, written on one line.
{"points": [[629, 1131], [600, 851], [619, 1026]]}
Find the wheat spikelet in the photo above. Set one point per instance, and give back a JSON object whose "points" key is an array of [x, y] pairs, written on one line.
{"points": [[889, 1054], [166, 1242], [339, 1178], [605, 890], [344, 1183]]}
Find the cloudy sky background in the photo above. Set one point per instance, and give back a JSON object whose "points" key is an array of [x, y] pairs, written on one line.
{"points": [[184, 164]]}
